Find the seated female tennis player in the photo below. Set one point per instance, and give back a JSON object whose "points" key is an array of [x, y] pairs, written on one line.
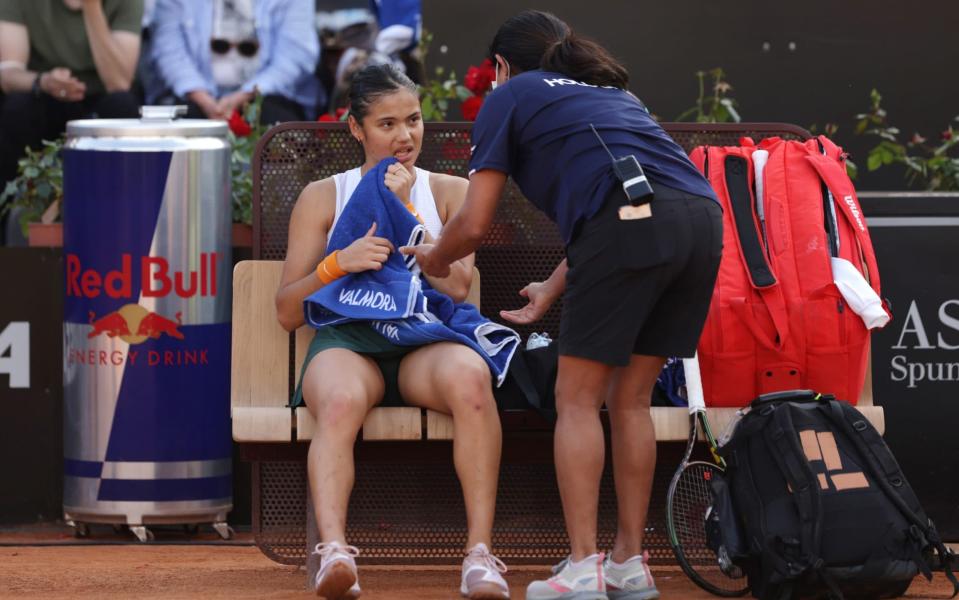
{"points": [[351, 368]]}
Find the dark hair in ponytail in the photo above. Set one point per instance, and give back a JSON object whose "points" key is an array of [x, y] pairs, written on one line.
{"points": [[540, 40], [372, 82]]}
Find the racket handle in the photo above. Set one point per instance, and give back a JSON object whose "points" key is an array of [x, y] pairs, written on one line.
{"points": [[694, 384]]}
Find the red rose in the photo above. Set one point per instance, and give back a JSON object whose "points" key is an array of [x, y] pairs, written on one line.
{"points": [[339, 115], [238, 125], [947, 134], [478, 79], [471, 107]]}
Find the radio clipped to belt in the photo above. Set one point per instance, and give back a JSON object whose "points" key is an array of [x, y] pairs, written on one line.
{"points": [[635, 185]]}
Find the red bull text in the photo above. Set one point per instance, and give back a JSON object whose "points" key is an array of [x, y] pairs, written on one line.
{"points": [[156, 279]]}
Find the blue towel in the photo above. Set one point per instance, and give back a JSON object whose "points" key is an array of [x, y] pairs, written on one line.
{"points": [[389, 293], [442, 320], [400, 305]]}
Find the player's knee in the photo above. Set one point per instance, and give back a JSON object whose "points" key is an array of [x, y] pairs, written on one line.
{"points": [[339, 407], [470, 389]]}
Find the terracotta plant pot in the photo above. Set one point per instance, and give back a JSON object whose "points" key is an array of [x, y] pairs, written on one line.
{"points": [[45, 234], [242, 235]]}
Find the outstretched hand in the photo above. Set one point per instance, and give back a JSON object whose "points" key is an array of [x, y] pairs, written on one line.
{"points": [[540, 300], [426, 259]]}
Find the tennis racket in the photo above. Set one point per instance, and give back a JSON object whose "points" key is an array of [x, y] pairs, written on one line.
{"points": [[689, 499]]}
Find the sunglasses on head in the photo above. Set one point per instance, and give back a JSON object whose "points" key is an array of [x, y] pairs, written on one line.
{"points": [[246, 48]]}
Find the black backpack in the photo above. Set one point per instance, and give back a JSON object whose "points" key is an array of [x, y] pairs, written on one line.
{"points": [[813, 504]]}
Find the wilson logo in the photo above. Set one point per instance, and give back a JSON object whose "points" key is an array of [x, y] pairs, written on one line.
{"points": [[820, 447], [855, 211]]}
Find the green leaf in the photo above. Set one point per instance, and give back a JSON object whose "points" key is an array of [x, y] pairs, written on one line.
{"points": [[686, 114], [851, 169], [427, 107], [874, 161], [44, 189], [31, 172], [728, 103]]}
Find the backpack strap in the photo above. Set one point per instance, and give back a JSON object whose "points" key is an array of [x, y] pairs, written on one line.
{"points": [[782, 439], [885, 471], [761, 277]]}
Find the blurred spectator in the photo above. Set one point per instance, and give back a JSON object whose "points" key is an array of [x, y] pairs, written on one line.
{"points": [[355, 33], [401, 23], [213, 54], [62, 60], [147, 79]]}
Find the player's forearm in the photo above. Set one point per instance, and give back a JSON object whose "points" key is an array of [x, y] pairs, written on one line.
{"points": [[114, 67], [556, 283], [17, 79], [457, 284]]}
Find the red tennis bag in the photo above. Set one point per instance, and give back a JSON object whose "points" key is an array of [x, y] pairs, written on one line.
{"points": [[777, 321]]}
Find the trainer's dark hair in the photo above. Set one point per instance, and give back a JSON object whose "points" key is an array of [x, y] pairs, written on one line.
{"points": [[372, 82], [535, 39]]}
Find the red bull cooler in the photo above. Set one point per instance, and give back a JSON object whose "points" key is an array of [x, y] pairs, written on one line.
{"points": [[146, 331]]}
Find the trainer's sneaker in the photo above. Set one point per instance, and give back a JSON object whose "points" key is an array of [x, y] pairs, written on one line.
{"points": [[630, 580], [336, 579], [482, 579], [581, 580]]}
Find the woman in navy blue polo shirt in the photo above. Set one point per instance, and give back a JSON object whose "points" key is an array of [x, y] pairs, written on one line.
{"points": [[636, 284]]}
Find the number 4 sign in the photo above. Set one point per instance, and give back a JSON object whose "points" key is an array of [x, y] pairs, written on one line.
{"points": [[15, 353]]}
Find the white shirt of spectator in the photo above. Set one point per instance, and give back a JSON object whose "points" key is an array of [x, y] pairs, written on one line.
{"points": [[233, 20]]}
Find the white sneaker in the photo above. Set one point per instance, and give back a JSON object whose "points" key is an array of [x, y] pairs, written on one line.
{"points": [[583, 580], [482, 579], [336, 579], [630, 580]]}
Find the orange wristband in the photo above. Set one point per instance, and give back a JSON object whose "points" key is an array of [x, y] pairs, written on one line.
{"points": [[413, 212], [329, 268]]}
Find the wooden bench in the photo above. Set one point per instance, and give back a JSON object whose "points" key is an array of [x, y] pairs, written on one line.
{"points": [[406, 504]]}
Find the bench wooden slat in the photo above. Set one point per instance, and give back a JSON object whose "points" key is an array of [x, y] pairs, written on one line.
{"points": [[865, 397], [394, 423], [261, 356], [671, 423], [382, 423], [262, 423], [439, 426]]}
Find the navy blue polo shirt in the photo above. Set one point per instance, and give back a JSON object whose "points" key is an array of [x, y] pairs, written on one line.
{"points": [[535, 128]]}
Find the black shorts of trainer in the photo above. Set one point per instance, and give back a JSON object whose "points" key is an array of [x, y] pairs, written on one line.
{"points": [[641, 286]]}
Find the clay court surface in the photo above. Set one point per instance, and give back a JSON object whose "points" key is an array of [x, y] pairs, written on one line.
{"points": [[236, 569]]}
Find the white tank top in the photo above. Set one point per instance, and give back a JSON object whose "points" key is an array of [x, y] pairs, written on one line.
{"points": [[421, 196]]}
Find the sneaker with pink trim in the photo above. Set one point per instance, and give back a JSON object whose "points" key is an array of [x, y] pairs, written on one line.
{"points": [[630, 580], [336, 579], [583, 580], [482, 576]]}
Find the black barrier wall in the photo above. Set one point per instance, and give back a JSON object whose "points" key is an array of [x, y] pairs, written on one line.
{"points": [[915, 359], [811, 62], [31, 385]]}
